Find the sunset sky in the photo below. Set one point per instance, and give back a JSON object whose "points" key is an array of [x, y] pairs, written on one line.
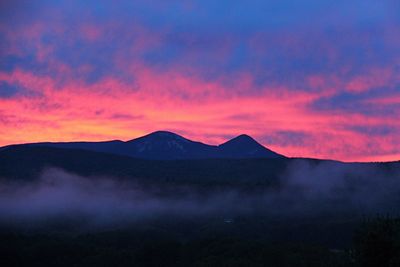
{"points": [[309, 78]]}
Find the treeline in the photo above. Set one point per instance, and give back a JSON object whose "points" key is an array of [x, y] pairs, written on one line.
{"points": [[376, 244]]}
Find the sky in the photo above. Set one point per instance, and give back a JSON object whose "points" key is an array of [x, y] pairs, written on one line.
{"points": [[306, 78]]}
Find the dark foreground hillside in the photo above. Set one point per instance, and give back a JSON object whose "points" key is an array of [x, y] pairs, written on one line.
{"points": [[134, 248], [66, 207], [375, 243], [26, 163]]}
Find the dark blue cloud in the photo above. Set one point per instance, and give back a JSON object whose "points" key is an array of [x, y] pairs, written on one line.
{"points": [[378, 130], [8, 90], [362, 103], [278, 42]]}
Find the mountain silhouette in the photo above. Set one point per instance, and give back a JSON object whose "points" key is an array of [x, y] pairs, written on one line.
{"points": [[167, 145], [164, 145], [244, 146]]}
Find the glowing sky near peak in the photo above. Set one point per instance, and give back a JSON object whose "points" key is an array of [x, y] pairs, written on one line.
{"points": [[306, 78]]}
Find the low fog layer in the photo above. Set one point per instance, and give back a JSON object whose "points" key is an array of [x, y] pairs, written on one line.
{"points": [[306, 190]]}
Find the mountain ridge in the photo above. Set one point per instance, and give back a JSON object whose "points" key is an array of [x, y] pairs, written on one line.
{"points": [[165, 145]]}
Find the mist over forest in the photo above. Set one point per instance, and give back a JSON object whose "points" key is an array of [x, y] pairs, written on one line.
{"points": [[304, 190]]}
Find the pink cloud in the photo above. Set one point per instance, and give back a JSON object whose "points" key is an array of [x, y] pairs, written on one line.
{"points": [[202, 110]]}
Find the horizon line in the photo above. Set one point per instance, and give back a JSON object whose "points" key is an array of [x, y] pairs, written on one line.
{"points": [[215, 145]]}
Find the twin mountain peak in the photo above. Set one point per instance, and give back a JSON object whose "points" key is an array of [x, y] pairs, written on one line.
{"points": [[163, 145]]}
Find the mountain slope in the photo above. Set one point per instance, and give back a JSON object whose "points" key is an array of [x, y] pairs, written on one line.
{"points": [[167, 145], [244, 146]]}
